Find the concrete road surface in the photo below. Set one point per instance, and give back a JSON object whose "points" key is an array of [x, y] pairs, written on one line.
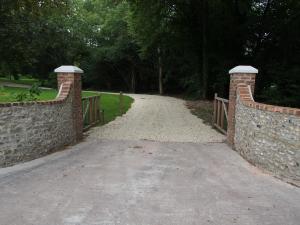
{"points": [[144, 183]]}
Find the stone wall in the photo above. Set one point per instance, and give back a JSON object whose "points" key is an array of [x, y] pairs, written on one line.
{"points": [[33, 129], [268, 136]]}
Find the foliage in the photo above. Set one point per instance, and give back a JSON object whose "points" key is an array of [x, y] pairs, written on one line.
{"points": [[123, 45], [30, 95], [28, 28]]}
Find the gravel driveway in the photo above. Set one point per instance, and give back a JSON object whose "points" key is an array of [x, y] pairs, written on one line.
{"points": [[158, 118]]}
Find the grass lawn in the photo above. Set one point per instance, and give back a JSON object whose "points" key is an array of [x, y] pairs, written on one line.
{"points": [[22, 80], [109, 102], [7, 94]]}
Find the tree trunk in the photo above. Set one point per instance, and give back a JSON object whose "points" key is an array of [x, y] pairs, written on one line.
{"points": [[204, 50], [132, 80], [160, 74]]}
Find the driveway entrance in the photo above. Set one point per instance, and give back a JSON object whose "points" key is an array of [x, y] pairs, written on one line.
{"points": [[143, 182]]}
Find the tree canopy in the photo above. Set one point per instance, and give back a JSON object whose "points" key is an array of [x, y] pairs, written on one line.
{"points": [[166, 46]]}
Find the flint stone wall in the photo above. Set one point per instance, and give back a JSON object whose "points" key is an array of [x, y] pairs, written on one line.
{"points": [[31, 130], [269, 140]]}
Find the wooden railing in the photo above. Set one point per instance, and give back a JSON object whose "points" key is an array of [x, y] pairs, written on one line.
{"points": [[92, 114], [220, 117]]}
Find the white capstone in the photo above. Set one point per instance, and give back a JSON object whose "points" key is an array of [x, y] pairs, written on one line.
{"points": [[68, 69], [243, 69]]}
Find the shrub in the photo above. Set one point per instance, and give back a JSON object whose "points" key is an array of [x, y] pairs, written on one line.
{"points": [[30, 95]]}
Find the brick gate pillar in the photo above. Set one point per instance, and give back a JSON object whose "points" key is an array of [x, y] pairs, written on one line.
{"points": [[238, 75], [73, 74]]}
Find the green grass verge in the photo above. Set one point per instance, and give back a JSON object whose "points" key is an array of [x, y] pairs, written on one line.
{"points": [[109, 102]]}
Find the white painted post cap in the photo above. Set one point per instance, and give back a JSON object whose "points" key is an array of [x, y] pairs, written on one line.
{"points": [[243, 69], [68, 69]]}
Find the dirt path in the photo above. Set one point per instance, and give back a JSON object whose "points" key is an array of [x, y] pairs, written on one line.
{"points": [[158, 118]]}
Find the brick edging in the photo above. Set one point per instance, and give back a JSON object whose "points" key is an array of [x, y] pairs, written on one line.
{"points": [[245, 96], [61, 98]]}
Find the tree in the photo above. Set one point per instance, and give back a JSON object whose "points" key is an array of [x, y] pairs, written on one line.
{"points": [[169, 46], [23, 24], [149, 25]]}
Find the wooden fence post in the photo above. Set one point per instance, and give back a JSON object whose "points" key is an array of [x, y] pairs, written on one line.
{"points": [[215, 108]]}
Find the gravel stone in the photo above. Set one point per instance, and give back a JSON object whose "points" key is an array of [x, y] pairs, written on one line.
{"points": [[158, 118]]}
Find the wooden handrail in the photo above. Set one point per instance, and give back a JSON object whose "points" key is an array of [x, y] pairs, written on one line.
{"points": [[222, 99]]}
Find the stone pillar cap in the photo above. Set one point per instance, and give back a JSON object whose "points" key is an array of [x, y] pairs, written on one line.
{"points": [[243, 69], [68, 69]]}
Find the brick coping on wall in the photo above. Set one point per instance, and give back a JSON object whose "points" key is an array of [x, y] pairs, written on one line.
{"points": [[63, 94], [246, 98]]}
